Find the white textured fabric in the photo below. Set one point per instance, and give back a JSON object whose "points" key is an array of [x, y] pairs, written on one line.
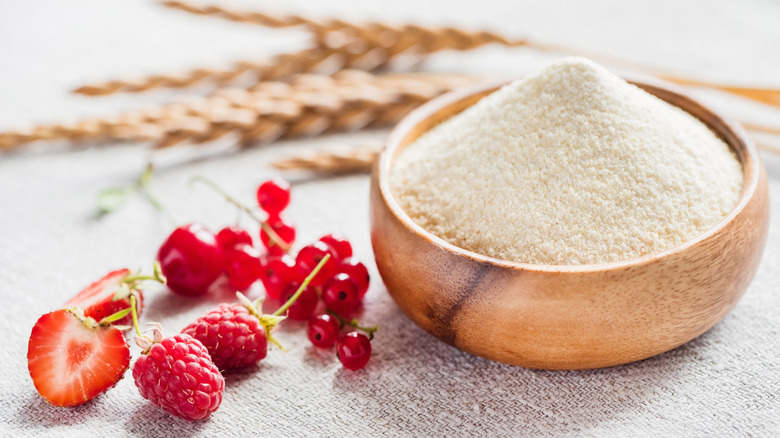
{"points": [[725, 383]]}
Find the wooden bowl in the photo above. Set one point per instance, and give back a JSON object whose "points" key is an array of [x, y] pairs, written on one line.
{"points": [[567, 317]]}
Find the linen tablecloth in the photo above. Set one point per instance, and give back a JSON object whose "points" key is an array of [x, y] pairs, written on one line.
{"points": [[52, 243]]}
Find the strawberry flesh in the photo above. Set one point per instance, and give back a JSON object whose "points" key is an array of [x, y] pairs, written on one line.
{"points": [[73, 360], [97, 300]]}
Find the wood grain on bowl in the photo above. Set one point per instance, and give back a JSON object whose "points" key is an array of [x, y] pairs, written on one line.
{"points": [[567, 317]]}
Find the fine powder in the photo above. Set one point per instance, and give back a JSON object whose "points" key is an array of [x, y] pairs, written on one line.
{"points": [[571, 165]]}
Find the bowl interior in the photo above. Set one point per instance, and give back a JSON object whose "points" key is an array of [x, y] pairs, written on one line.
{"points": [[444, 107]]}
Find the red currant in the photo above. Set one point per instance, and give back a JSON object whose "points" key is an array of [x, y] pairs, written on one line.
{"points": [[304, 306], [229, 237], [278, 272], [358, 272], [242, 266], [340, 294], [285, 231], [340, 245], [190, 259], [273, 196], [323, 330], [354, 350], [311, 255]]}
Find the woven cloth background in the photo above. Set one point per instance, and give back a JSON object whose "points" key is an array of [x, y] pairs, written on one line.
{"points": [[725, 383]]}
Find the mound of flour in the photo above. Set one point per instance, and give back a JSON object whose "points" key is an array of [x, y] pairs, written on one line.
{"points": [[571, 165]]}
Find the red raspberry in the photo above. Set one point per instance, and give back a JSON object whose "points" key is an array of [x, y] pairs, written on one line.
{"points": [[233, 336], [177, 375]]}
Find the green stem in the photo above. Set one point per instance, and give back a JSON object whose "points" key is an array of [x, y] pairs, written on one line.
{"points": [[145, 182], [134, 312], [136, 278], [272, 235], [158, 276], [303, 286], [354, 323]]}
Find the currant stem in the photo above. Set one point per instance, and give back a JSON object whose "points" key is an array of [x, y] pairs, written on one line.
{"points": [[272, 235], [303, 286], [145, 183], [354, 323]]}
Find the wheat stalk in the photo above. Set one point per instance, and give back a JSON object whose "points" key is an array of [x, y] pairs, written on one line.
{"points": [[308, 105], [768, 96], [332, 160], [761, 128], [315, 104], [399, 39], [351, 55], [339, 160], [367, 46], [349, 46], [275, 68], [395, 39]]}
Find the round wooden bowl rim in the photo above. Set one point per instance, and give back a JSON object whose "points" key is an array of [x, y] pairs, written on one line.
{"points": [[747, 154]]}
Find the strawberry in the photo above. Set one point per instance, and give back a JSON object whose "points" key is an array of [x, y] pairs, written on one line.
{"points": [[73, 359], [106, 297]]}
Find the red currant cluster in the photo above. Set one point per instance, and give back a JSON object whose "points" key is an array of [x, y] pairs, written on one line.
{"points": [[193, 258]]}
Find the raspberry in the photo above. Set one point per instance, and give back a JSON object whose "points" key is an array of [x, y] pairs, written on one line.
{"points": [[233, 336], [177, 375]]}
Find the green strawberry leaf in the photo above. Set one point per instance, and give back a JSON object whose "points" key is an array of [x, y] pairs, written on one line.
{"points": [[118, 315]]}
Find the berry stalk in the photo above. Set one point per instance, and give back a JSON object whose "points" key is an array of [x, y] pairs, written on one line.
{"points": [[145, 183], [354, 323], [303, 286], [132, 280], [111, 199], [134, 313], [278, 241]]}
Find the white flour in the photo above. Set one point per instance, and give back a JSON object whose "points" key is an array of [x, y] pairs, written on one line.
{"points": [[571, 165]]}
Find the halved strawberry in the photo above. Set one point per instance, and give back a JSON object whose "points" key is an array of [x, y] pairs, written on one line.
{"points": [[73, 359], [100, 299]]}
